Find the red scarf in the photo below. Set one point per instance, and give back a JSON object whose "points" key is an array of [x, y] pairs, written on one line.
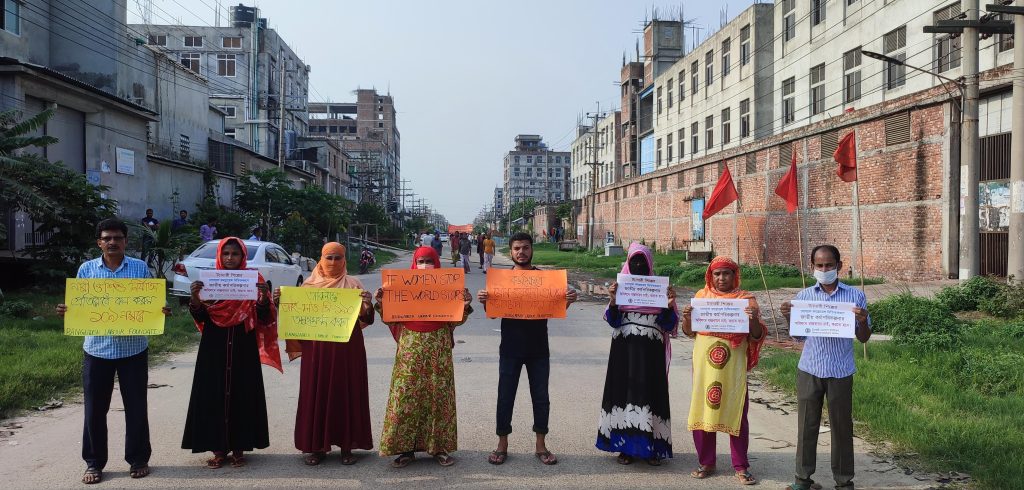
{"points": [[709, 291], [228, 313]]}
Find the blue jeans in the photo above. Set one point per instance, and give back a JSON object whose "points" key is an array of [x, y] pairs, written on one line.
{"points": [[538, 369]]}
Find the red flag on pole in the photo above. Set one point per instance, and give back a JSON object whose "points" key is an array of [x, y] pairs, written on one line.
{"points": [[787, 188], [723, 195], [846, 157]]}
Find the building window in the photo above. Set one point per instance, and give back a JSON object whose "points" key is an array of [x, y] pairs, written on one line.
{"points": [[183, 146], [817, 12], [517, 158], [229, 111], [10, 17], [191, 61], [726, 123], [193, 41], [657, 158], [851, 75], [529, 159], [788, 109], [681, 140], [817, 93], [709, 68], [788, 20], [658, 91], [668, 148], [694, 79], [226, 65], [894, 44], [668, 93], [231, 42], [947, 47], [230, 133], [682, 87], [709, 132], [726, 48], [745, 45], [744, 118], [157, 40], [694, 142], [1005, 40]]}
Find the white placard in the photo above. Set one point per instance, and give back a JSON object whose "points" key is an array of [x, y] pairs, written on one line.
{"points": [[228, 284], [125, 161], [641, 291], [719, 315], [822, 319]]}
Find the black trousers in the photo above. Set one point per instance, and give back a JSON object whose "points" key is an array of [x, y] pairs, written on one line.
{"points": [[812, 393], [538, 369], [98, 383]]}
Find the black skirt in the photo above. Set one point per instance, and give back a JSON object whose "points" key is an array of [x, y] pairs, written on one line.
{"points": [[635, 418], [228, 407]]}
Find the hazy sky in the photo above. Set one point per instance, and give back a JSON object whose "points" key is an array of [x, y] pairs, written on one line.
{"points": [[467, 76]]}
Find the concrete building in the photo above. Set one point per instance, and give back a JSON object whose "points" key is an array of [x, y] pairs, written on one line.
{"points": [[609, 156], [247, 64], [368, 131], [532, 170], [499, 202], [822, 88]]}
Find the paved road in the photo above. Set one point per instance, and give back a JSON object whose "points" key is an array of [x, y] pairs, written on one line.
{"points": [[45, 452]]}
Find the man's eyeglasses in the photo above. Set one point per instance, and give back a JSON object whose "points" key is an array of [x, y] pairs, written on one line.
{"points": [[108, 239]]}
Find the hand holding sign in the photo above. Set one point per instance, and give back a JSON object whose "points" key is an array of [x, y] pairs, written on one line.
{"points": [[324, 314], [435, 295], [526, 294], [114, 307], [720, 315], [822, 319], [649, 291], [221, 284]]}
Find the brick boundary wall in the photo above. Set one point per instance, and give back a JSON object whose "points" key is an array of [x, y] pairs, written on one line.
{"points": [[902, 198]]}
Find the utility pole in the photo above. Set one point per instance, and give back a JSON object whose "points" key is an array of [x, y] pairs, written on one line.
{"points": [[970, 149], [593, 164], [280, 123], [1015, 245]]}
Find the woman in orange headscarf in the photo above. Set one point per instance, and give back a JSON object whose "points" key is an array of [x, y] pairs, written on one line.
{"points": [[421, 407], [720, 365], [334, 400], [228, 408]]}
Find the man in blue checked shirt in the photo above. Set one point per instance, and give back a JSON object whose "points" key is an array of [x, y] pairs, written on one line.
{"points": [[826, 371], [125, 355]]}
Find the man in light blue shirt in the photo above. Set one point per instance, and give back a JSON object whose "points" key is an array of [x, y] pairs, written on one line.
{"points": [[125, 355], [825, 372]]}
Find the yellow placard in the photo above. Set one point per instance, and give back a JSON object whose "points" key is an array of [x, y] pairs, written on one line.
{"points": [[324, 314], [114, 306]]}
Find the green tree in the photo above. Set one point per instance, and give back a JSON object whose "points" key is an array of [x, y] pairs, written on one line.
{"points": [[266, 197], [63, 205]]}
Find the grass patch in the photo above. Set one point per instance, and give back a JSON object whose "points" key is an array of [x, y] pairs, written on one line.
{"points": [[685, 274], [38, 363], [958, 409]]}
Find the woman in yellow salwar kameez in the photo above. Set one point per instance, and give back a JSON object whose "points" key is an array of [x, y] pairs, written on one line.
{"points": [[720, 365]]}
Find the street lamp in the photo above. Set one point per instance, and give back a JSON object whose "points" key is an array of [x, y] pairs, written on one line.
{"points": [[897, 62]]}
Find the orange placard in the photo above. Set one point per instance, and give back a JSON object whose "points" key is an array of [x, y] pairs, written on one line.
{"points": [[433, 295], [526, 294], [460, 228]]}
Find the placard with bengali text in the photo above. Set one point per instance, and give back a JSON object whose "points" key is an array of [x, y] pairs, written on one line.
{"points": [[719, 315], [114, 306], [641, 291], [323, 314], [526, 294], [822, 319]]}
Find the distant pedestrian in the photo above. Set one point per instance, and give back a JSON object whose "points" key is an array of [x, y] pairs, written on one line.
{"points": [[426, 239], [180, 221], [126, 356], [208, 231], [721, 361], [480, 248], [465, 251], [825, 372], [453, 240], [489, 247], [435, 242], [257, 234], [227, 410], [152, 224]]}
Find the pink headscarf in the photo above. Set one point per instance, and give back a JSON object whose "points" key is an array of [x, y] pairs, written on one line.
{"points": [[634, 249]]}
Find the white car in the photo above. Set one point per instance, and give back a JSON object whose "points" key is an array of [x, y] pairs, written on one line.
{"points": [[444, 238], [276, 266]]}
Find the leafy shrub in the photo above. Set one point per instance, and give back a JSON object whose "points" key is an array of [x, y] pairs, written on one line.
{"points": [[16, 308], [1014, 330], [968, 296], [1007, 303], [916, 321], [770, 270], [992, 372]]}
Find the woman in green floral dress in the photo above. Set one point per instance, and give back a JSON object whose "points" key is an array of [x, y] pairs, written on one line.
{"points": [[421, 407]]}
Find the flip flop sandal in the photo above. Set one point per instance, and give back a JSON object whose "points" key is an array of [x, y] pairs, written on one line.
{"points": [[624, 459], [444, 459], [745, 478], [348, 459], [703, 472], [92, 476], [238, 461], [139, 471], [497, 457], [654, 461], [313, 459], [402, 461], [547, 458], [216, 462]]}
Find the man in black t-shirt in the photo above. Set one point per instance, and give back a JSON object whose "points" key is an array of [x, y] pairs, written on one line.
{"points": [[523, 343]]}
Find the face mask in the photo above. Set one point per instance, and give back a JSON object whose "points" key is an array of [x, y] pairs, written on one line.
{"points": [[826, 277], [424, 266]]}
